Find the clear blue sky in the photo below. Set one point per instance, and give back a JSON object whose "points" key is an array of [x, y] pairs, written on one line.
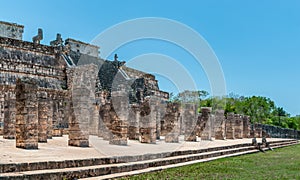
{"points": [[257, 42]]}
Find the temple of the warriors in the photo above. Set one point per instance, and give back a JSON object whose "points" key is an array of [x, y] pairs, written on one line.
{"points": [[65, 88]]}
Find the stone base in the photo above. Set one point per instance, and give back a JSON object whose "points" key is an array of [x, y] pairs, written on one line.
{"points": [[9, 137], [190, 138], [238, 135], [172, 138], [118, 141], [133, 133], [42, 140], [27, 145], [220, 136], [57, 133], [79, 143], [148, 135]]}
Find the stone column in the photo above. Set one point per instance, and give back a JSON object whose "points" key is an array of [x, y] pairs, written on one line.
{"points": [[238, 126], [27, 114], [9, 131], [230, 126], [257, 130], [172, 124], [246, 126], [160, 111], [42, 116], [206, 119], [119, 123], [50, 118], [190, 118], [220, 125], [1, 111], [82, 89], [147, 122], [56, 131], [105, 113], [133, 120]]}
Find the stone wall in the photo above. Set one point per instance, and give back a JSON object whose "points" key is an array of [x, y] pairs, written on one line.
{"points": [[11, 30]]}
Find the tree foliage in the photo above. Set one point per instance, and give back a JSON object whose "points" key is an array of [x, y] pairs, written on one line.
{"points": [[260, 109]]}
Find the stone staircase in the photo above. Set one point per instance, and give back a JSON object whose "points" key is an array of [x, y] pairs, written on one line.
{"points": [[114, 167]]}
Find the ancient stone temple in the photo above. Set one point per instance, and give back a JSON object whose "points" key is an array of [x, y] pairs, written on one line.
{"points": [[66, 89]]}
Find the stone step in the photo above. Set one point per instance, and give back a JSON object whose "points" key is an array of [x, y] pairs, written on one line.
{"points": [[117, 168], [20, 167], [159, 168]]}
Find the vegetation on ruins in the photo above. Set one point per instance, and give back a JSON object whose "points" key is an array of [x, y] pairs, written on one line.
{"points": [[279, 164], [260, 109]]}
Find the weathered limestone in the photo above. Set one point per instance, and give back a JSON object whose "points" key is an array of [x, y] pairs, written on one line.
{"points": [[119, 123], [57, 116], [94, 123], [219, 125], [257, 130], [9, 131], [171, 122], [190, 118], [147, 122], [160, 110], [133, 122], [104, 121], [230, 126], [27, 114], [82, 89], [238, 126], [50, 118], [42, 116], [246, 126], [1, 111], [207, 120]]}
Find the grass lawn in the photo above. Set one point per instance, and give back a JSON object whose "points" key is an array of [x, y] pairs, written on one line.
{"points": [[283, 163]]}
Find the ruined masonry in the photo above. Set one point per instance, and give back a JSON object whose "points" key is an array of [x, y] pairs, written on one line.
{"points": [[26, 116], [65, 88], [83, 81]]}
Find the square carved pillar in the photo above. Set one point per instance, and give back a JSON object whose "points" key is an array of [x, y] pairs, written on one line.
{"points": [[43, 109], [190, 119], [27, 114], [9, 130], [230, 126], [82, 92], [172, 122]]}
